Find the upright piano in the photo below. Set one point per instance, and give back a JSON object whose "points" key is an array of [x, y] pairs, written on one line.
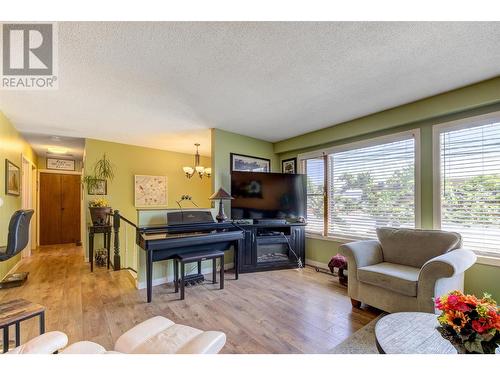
{"points": [[186, 231]]}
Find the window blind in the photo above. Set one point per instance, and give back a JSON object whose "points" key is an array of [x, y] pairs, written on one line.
{"points": [[470, 186], [314, 169], [371, 187]]}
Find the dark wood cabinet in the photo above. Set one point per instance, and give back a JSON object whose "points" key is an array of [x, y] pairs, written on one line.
{"points": [[266, 247]]}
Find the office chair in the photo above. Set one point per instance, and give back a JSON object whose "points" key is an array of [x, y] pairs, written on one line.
{"points": [[18, 237]]}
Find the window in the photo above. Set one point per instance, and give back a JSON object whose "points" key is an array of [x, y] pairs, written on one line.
{"points": [[315, 171], [368, 185], [469, 183]]}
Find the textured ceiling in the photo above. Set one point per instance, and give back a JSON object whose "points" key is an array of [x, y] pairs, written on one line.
{"points": [[164, 85]]}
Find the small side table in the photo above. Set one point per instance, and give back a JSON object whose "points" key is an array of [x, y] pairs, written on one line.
{"points": [[13, 313], [106, 231]]}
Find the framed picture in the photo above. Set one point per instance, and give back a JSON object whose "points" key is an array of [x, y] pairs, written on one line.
{"points": [[101, 188], [289, 166], [12, 178], [150, 191], [245, 163], [61, 164]]}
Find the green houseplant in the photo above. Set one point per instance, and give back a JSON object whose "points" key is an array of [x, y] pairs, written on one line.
{"points": [[99, 209]]}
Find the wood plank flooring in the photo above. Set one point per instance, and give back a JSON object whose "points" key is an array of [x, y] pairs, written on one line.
{"points": [[289, 311]]}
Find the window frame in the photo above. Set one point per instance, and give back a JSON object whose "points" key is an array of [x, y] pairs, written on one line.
{"points": [[348, 146], [437, 130]]}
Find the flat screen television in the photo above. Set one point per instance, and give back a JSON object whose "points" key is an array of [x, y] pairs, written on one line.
{"points": [[259, 195]]}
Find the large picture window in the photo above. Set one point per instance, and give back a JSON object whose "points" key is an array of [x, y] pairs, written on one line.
{"points": [[368, 185], [469, 183]]}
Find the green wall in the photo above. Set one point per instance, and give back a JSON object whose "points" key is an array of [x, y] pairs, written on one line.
{"points": [[12, 146], [472, 100], [129, 161]]}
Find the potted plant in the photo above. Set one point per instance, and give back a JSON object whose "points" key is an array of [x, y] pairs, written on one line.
{"points": [[99, 208], [471, 324]]}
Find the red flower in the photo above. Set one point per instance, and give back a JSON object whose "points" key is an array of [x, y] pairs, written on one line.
{"points": [[477, 326]]}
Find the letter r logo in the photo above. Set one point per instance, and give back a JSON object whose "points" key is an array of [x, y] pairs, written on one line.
{"points": [[27, 49]]}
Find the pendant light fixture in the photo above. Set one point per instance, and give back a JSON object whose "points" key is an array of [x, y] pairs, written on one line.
{"points": [[202, 171]]}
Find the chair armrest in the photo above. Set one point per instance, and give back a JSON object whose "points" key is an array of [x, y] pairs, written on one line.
{"points": [[362, 253], [447, 265], [46, 343], [208, 342]]}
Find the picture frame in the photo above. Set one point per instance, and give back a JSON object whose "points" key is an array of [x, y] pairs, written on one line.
{"points": [[12, 178], [101, 188], [150, 191], [60, 164], [289, 166], [247, 163]]}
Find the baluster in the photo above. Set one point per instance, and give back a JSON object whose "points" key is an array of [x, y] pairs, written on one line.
{"points": [[116, 229]]}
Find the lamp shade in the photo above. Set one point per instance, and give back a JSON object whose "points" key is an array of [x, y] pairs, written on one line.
{"points": [[220, 194]]}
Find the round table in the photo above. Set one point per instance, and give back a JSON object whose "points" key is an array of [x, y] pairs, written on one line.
{"points": [[411, 333]]}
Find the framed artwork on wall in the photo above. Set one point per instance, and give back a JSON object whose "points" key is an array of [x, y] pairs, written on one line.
{"points": [[289, 166], [150, 191], [101, 188], [246, 163], [61, 164], [12, 178]]}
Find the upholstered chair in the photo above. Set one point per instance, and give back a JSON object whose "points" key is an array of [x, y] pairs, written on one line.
{"points": [[157, 335], [406, 268]]}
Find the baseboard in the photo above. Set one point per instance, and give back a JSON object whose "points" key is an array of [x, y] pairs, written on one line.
{"points": [[313, 263], [206, 270]]}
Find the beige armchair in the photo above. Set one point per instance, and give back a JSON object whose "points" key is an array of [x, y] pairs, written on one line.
{"points": [[157, 335], [406, 268]]}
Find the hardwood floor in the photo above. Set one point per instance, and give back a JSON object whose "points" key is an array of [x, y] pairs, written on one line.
{"points": [[289, 311]]}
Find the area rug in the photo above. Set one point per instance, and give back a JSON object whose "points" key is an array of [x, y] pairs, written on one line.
{"points": [[360, 342]]}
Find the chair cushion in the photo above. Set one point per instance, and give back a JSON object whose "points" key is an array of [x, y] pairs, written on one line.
{"points": [[168, 341], [396, 277], [414, 247]]}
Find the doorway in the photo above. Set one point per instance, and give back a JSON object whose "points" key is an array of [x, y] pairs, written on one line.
{"points": [[59, 208]]}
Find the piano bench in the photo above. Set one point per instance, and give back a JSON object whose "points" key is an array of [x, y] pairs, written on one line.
{"points": [[198, 257]]}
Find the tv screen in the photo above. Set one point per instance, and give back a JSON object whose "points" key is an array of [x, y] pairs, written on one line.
{"points": [[259, 195]]}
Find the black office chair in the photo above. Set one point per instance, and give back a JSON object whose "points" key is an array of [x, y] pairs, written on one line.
{"points": [[18, 237]]}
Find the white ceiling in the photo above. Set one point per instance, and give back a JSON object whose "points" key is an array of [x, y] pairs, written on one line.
{"points": [[41, 143], [163, 85]]}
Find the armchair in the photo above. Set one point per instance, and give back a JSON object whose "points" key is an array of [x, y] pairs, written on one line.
{"points": [[406, 268], [157, 335]]}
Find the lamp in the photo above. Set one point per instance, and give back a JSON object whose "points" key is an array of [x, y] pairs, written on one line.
{"points": [[221, 194], [202, 171]]}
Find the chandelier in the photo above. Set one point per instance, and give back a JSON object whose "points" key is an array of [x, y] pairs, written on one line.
{"points": [[202, 171]]}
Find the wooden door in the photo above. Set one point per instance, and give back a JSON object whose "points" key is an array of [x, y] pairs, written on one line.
{"points": [[70, 208], [59, 208]]}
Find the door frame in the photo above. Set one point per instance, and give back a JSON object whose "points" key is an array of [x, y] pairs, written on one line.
{"points": [[82, 212], [29, 199]]}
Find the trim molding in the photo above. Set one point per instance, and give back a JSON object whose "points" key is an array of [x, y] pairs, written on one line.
{"points": [[205, 270], [313, 263]]}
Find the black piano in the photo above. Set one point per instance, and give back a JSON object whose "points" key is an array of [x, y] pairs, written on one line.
{"points": [[186, 231]]}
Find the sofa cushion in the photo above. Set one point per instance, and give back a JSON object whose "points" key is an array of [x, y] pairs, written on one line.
{"points": [[168, 341], [414, 247], [396, 277]]}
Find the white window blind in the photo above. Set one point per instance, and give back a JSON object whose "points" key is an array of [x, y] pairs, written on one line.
{"points": [[470, 186], [314, 169], [371, 187]]}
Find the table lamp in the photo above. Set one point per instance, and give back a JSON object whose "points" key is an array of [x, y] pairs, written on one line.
{"points": [[221, 195]]}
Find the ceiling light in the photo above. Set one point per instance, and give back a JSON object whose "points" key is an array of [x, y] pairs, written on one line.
{"points": [[57, 150], [202, 171]]}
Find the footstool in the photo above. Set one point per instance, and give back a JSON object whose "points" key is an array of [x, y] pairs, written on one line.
{"points": [[340, 262]]}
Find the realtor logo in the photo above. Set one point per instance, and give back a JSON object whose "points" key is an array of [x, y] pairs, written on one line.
{"points": [[29, 56]]}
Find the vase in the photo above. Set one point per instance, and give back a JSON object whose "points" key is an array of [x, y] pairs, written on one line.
{"points": [[99, 215]]}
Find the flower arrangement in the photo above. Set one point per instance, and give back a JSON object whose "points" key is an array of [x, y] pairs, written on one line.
{"points": [[470, 323], [98, 202]]}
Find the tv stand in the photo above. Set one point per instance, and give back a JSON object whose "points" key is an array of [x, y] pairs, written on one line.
{"points": [[266, 245], [270, 221]]}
